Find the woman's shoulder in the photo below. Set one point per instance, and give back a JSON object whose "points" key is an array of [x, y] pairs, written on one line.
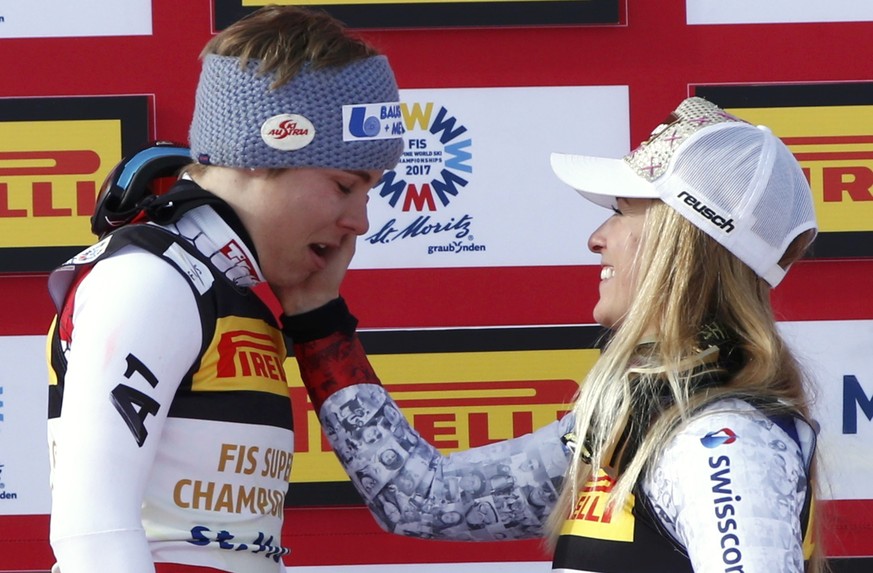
{"points": [[733, 463], [729, 419], [743, 430]]}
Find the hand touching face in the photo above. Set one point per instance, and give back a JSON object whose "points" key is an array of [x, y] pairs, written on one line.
{"points": [[304, 223]]}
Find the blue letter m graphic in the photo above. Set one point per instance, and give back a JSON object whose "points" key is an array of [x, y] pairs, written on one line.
{"points": [[853, 394]]}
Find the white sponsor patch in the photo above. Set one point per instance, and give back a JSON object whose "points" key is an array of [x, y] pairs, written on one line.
{"points": [[91, 253], [287, 132], [199, 275], [372, 121]]}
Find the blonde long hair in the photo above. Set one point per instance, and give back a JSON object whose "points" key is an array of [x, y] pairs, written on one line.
{"points": [[685, 279]]}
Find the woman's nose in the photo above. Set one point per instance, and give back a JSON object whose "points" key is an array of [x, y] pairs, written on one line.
{"points": [[597, 240]]}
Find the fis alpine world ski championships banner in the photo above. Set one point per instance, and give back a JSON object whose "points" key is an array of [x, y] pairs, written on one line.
{"points": [[440, 13], [54, 155], [829, 128], [474, 187]]}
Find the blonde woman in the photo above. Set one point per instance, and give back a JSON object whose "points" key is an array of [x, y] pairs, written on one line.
{"points": [[688, 447]]}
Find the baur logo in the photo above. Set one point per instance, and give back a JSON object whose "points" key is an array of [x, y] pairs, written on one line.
{"points": [[372, 121]]}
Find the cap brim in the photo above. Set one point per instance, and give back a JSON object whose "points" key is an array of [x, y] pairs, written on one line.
{"points": [[600, 179]]}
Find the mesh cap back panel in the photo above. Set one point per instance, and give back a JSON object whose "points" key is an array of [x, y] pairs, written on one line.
{"points": [[721, 166], [779, 217], [742, 186]]}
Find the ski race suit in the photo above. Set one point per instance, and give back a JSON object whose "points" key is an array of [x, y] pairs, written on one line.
{"points": [[170, 426], [729, 494]]}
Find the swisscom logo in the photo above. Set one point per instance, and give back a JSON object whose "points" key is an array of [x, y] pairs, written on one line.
{"points": [[721, 437], [434, 172]]}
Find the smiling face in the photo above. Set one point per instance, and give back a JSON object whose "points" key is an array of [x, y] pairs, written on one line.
{"points": [[296, 217], [617, 241]]}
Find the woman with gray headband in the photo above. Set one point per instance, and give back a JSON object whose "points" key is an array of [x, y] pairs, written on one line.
{"points": [[688, 446], [170, 418]]}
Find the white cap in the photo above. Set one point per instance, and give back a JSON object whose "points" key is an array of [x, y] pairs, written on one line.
{"points": [[736, 182]]}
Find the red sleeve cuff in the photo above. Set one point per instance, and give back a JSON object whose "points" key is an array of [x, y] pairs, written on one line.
{"points": [[332, 363]]}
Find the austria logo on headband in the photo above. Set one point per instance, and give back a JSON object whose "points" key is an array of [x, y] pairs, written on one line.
{"points": [[372, 121], [287, 132]]}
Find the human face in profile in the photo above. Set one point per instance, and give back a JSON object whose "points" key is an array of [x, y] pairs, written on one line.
{"points": [[617, 241]]}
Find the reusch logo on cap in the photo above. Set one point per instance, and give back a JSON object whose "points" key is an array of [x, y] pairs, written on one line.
{"points": [[727, 225]]}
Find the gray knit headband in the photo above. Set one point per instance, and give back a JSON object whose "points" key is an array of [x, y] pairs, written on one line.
{"points": [[342, 117]]}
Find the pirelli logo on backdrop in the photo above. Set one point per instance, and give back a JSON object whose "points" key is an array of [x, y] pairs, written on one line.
{"points": [[834, 146], [47, 196], [829, 128], [54, 156], [840, 171], [458, 389]]}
